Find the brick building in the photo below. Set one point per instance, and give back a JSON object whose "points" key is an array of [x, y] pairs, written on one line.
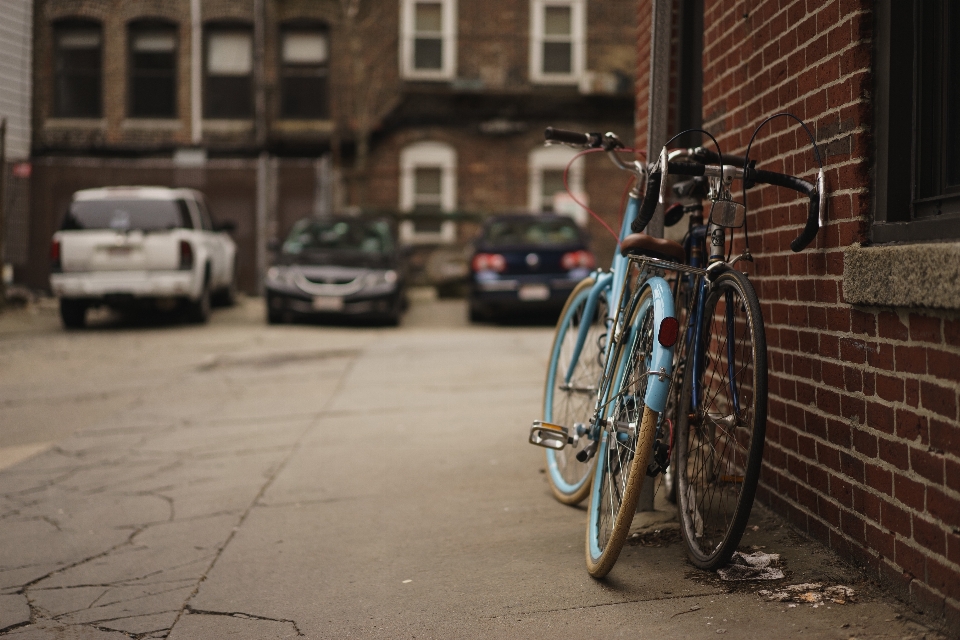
{"points": [[863, 329], [279, 109]]}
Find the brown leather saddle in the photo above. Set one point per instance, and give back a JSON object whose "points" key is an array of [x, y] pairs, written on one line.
{"points": [[640, 244]]}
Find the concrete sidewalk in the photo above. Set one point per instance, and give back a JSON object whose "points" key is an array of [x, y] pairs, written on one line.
{"points": [[335, 482]]}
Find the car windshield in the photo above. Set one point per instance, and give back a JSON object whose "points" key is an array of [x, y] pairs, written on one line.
{"points": [[539, 232], [127, 215], [359, 236]]}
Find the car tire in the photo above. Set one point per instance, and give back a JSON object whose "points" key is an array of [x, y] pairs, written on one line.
{"points": [[198, 311], [273, 316], [480, 313], [73, 313], [226, 297]]}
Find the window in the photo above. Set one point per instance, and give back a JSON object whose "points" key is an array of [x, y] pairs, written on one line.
{"points": [[546, 190], [303, 74], [557, 47], [917, 175], [77, 70], [429, 39], [153, 70], [428, 184], [229, 73]]}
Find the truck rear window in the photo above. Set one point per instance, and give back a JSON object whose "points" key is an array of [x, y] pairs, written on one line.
{"points": [[128, 215]]}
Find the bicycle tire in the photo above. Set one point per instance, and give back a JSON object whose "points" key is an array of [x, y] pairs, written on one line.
{"points": [[569, 478], [720, 439], [622, 465]]}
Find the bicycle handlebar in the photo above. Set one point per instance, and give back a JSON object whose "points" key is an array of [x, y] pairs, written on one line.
{"points": [[592, 140], [815, 192]]}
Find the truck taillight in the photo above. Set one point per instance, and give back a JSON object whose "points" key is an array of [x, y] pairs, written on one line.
{"points": [[55, 263], [489, 262], [186, 255], [577, 260]]}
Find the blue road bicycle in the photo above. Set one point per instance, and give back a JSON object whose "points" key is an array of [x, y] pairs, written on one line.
{"points": [[609, 376], [718, 399]]}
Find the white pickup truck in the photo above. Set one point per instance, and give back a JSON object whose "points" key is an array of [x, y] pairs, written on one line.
{"points": [[140, 246]]}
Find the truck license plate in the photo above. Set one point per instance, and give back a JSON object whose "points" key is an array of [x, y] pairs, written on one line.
{"points": [[532, 292], [327, 303]]}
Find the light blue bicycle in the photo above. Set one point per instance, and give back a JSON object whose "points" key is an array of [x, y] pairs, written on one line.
{"points": [[609, 377]]}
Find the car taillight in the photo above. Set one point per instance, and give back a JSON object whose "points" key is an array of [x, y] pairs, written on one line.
{"points": [[186, 255], [55, 255], [577, 260], [489, 262]]}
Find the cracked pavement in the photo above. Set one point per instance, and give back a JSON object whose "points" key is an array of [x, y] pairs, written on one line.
{"points": [[245, 481]]}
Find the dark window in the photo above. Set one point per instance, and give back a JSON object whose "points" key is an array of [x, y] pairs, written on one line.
{"points": [[428, 197], [128, 215], [917, 174], [338, 235], [551, 183], [303, 74], [558, 39], [77, 70], [229, 73], [153, 70], [428, 42]]}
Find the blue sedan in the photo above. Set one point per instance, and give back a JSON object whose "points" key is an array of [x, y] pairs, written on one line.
{"points": [[526, 262]]}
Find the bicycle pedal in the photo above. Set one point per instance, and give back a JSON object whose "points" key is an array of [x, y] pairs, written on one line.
{"points": [[550, 436]]}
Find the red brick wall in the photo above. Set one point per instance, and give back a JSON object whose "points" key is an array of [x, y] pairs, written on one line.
{"points": [[863, 436]]}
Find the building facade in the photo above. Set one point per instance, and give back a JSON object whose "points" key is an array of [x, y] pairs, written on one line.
{"points": [[863, 328], [279, 109]]}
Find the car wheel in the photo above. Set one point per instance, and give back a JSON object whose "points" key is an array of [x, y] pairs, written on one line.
{"points": [[225, 297], [479, 313], [73, 313], [198, 311]]}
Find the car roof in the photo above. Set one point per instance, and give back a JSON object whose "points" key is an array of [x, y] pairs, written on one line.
{"points": [[135, 193]]}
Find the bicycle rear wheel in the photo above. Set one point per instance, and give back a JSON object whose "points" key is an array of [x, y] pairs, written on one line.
{"points": [[722, 421], [625, 445], [571, 405]]}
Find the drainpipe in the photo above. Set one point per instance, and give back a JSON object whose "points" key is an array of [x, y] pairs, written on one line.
{"points": [[196, 74]]}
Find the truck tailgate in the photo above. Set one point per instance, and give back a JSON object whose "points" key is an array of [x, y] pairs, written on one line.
{"points": [[104, 250]]}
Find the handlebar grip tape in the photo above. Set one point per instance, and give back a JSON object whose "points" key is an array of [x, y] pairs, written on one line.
{"points": [[802, 186], [649, 203], [569, 137], [707, 156]]}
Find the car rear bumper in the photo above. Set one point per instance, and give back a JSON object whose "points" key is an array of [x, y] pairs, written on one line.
{"points": [[138, 284], [521, 293]]}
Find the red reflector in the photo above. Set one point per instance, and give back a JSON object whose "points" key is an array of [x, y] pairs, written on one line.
{"points": [[669, 329]]}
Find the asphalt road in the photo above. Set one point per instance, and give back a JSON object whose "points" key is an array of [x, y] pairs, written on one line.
{"points": [[244, 481]]}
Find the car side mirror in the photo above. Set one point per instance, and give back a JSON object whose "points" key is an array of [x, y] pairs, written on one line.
{"points": [[225, 226]]}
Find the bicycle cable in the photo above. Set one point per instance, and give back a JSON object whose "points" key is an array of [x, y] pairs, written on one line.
{"points": [[746, 160]]}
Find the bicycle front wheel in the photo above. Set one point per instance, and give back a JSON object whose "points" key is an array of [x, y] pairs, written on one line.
{"points": [[625, 445], [721, 422], [570, 404]]}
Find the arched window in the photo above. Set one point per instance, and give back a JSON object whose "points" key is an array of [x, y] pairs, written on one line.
{"points": [[78, 69], [428, 184], [546, 190], [152, 65]]}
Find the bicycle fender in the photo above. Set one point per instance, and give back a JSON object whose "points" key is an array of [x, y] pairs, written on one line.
{"points": [[661, 359], [602, 283]]}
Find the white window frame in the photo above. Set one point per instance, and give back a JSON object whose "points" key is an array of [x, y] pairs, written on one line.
{"points": [[578, 49], [408, 35], [556, 157], [432, 155]]}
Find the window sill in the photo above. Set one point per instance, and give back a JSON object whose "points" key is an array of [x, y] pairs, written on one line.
{"points": [[290, 126], [915, 275], [224, 125], [151, 124], [75, 123]]}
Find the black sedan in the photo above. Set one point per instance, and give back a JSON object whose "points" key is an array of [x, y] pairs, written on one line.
{"points": [[526, 262], [346, 266]]}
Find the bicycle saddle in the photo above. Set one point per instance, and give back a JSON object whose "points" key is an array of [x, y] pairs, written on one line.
{"points": [[640, 244]]}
